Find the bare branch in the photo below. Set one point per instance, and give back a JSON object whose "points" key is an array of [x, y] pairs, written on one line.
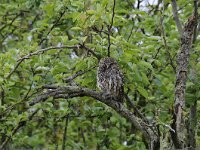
{"points": [[79, 73], [135, 109], [176, 18]]}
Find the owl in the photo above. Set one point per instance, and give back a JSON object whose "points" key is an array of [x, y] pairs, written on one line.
{"points": [[110, 78]]}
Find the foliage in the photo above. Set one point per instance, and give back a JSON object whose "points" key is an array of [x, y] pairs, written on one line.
{"points": [[144, 40]]}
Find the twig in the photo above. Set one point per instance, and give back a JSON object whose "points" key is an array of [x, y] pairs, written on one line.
{"points": [[110, 27], [65, 132], [89, 50], [12, 21], [55, 124], [79, 73], [176, 18], [167, 126], [165, 42], [135, 109], [196, 15], [53, 26]]}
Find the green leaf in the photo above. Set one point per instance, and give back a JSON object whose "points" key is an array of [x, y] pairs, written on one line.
{"points": [[145, 64], [76, 28], [142, 91], [145, 79], [90, 12]]}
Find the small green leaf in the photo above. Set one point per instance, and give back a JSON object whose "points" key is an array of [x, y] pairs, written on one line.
{"points": [[145, 79], [142, 91], [90, 12], [83, 39], [145, 64]]}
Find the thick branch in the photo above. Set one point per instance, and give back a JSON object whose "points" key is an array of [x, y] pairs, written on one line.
{"points": [[181, 77], [76, 91]]}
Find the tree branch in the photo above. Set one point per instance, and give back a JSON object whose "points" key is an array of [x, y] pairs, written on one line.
{"points": [[165, 42], [176, 18], [110, 27], [79, 73], [109, 100], [193, 108], [54, 25], [180, 83], [91, 51], [64, 139], [41, 51]]}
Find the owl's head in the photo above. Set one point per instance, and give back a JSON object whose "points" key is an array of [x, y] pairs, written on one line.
{"points": [[107, 62]]}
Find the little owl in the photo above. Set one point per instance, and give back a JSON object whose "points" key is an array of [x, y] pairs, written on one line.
{"points": [[110, 78]]}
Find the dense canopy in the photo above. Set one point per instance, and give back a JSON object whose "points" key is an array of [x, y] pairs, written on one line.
{"points": [[49, 54]]}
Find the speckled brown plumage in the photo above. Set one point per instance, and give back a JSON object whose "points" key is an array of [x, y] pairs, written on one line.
{"points": [[110, 78]]}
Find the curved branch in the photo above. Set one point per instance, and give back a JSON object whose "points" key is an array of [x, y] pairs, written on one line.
{"points": [[19, 61], [109, 100]]}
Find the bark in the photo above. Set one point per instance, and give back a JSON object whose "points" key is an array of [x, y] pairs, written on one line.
{"points": [[180, 83]]}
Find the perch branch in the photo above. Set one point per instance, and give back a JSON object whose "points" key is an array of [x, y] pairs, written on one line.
{"points": [[76, 91]]}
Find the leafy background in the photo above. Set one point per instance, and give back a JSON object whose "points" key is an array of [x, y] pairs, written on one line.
{"points": [[144, 40]]}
